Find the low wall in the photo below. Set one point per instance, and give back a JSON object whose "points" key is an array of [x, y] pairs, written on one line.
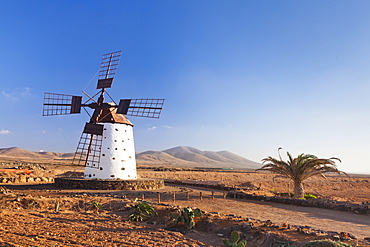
{"points": [[363, 208], [109, 184], [25, 179]]}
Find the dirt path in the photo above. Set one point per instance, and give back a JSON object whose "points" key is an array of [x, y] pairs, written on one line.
{"points": [[323, 219]]}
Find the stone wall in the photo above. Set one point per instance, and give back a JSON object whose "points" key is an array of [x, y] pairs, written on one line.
{"points": [[109, 184], [363, 208], [25, 179]]}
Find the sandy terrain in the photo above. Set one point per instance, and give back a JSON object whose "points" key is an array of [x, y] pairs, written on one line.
{"points": [[28, 217]]}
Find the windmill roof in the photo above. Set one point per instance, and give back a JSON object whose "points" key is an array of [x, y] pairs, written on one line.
{"points": [[109, 115]]}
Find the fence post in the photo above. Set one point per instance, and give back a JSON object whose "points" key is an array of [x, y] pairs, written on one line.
{"points": [[200, 196], [224, 194], [174, 197], [213, 195], [234, 194], [187, 196], [158, 197], [142, 197]]}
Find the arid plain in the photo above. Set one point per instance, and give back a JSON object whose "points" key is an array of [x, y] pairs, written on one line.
{"points": [[28, 216]]}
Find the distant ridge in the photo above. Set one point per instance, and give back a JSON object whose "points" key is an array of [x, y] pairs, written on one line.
{"points": [[23, 154], [184, 156], [181, 156]]}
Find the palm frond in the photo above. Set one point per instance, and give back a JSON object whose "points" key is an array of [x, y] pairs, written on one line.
{"points": [[302, 167]]}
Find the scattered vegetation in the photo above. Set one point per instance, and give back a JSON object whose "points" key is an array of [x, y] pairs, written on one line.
{"points": [[30, 203], [186, 216], [96, 206], [300, 168], [325, 243], [309, 196], [235, 237], [306, 196], [143, 211]]}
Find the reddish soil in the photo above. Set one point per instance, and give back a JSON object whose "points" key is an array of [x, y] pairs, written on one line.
{"points": [[28, 216]]}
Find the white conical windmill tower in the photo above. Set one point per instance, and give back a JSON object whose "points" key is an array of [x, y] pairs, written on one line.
{"points": [[106, 147]]}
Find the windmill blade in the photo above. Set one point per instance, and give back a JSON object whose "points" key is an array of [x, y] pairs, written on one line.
{"points": [[108, 67], [88, 151], [61, 104], [150, 108]]}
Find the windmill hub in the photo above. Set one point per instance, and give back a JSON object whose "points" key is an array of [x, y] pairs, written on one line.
{"points": [[106, 147]]}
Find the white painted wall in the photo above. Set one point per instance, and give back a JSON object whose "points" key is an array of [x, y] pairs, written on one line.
{"points": [[117, 158]]}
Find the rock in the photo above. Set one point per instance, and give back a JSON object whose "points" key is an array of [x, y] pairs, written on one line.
{"points": [[351, 236], [23, 178], [335, 236], [284, 225], [344, 236]]}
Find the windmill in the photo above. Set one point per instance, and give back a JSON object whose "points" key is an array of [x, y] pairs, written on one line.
{"points": [[106, 147]]}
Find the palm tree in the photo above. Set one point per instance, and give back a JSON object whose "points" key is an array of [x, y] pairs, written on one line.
{"points": [[300, 168]]}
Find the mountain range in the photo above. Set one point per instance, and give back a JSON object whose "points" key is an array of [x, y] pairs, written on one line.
{"points": [[181, 156]]}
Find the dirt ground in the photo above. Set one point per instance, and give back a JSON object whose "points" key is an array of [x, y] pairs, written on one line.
{"points": [[28, 216]]}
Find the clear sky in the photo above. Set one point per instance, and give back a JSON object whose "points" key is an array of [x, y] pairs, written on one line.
{"points": [[243, 76]]}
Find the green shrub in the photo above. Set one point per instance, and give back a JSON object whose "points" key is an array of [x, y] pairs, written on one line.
{"points": [[143, 211], [325, 243], [309, 196], [306, 196], [235, 237], [96, 206], [186, 216]]}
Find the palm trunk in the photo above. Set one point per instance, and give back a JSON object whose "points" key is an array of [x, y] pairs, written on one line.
{"points": [[298, 190]]}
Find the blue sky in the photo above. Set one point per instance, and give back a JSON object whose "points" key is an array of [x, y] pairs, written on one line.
{"points": [[242, 76]]}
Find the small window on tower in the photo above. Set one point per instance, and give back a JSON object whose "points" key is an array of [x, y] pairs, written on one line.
{"points": [[122, 160], [116, 129], [115, 140], [129, 157], [115, 149], [113, 158], [128, 175], [101, 168], [112, 176], [105, 129], [123, 168], [128, 139], [124, 149], [123, 141], [107, 148], [89, 175], [103, 155]]}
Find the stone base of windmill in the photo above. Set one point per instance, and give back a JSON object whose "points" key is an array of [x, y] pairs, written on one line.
{"points": [[109, 184]]}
